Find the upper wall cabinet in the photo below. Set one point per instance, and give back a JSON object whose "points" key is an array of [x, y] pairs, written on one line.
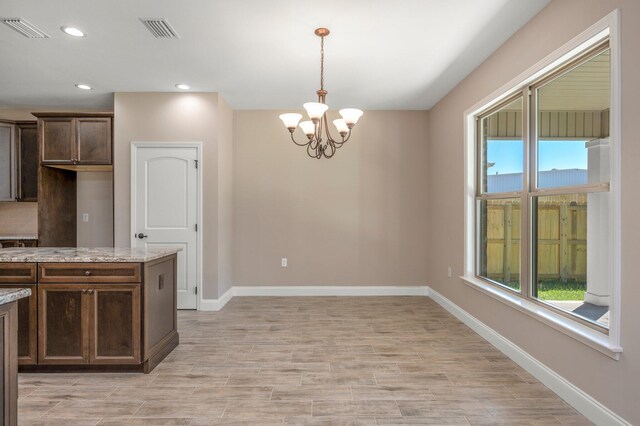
{"points": [[75, 139], [27, 161], [18, 161], [7, 161]]}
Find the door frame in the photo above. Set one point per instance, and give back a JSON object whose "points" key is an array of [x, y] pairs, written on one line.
{"points": [[135, 145]]}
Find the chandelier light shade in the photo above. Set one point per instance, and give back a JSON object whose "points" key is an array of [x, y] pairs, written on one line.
{"points": [[291, 120], [319, 142]]}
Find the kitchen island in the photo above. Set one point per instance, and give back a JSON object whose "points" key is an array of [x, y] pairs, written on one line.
{"points": [[106, 309]]}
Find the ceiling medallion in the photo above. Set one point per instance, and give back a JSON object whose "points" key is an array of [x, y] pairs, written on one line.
{"points": [[317, 147]]}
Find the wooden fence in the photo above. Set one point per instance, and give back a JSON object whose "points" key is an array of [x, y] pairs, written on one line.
{"points": [[562, 239]]}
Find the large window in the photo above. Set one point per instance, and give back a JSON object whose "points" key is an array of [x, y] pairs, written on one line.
{"points": [[543, 210]]}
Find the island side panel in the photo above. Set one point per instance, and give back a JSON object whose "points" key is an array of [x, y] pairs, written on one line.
{"points": [[160, 310], [23, 275], [9, 362]]}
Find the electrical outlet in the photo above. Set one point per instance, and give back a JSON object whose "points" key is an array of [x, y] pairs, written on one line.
{"points": [[284, 262], [85, 217], [449, 272]]}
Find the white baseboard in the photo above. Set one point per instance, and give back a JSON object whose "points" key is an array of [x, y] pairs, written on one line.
{"points": [[581, 401], [239, 291], [216, 304], [330, 291]]}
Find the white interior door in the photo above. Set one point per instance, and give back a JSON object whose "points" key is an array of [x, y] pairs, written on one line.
{"points": [[165, 202]]}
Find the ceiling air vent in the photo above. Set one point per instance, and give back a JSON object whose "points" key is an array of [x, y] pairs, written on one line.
{"points": [[160, 28], [24, 28]]}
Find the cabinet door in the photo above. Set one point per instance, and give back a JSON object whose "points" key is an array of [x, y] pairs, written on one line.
{"points": [[27, 163], [94, 140], [57, 140], [115, 323], [27, 318], [7, 162], [63, 324]]}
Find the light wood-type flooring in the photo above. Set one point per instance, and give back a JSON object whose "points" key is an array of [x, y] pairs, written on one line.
{"points": [[308, 361]]}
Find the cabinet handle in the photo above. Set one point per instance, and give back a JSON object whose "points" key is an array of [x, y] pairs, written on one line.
{"points": [[90, 291], [87, 273], [84, 290], [161, 282]]}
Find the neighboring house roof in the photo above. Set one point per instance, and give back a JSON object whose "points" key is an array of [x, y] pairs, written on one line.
{"points": [[511, 182]]}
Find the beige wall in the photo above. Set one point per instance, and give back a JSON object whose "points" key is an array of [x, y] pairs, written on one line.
{"points": [[19, 220], [614, 383], [95, 197], [170, 117], [356, 219]]}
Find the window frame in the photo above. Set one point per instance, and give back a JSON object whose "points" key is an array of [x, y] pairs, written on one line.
{"points": [[529, 94], [593, 41]]}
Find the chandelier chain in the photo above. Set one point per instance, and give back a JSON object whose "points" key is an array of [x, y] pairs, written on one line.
{"points": [[321, 63]]}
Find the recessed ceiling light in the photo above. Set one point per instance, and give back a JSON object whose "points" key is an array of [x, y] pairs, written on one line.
{"points": [[183, 86], [83, 86], [73, 31]]}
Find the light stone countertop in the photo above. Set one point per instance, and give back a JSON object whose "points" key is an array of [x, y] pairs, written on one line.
{"points": [[19, 237], [8, 295], [83, 254]]}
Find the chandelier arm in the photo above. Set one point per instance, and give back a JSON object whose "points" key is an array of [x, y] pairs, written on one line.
{"points": [[333, 150], [299, 144], [312, 152], [326, 126], [339, 143], [313, 143]]}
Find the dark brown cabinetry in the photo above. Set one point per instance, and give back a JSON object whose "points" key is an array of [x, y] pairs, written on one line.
{"points": [[63, 329], [89, 324], [18, 243], [89, 272], [18, 161], [27, 163], [9, 367], [68, 143], [94, 140], [7, 161], [75, 140], [57, 139], [114, 319], [95, 314], [23, 275], [27, 320], [89, 313]]}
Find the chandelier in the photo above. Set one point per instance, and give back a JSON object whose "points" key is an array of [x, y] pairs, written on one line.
{"points": [[317, 144]]}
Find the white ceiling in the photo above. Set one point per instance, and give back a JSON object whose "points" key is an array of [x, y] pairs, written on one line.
{"points": [[262, 54]]}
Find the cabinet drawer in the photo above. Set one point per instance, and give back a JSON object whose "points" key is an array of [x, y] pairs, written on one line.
{"points": [[15, 273], [89, 272]]}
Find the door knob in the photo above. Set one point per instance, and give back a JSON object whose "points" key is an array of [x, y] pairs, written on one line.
{"points": [[141, 235]]}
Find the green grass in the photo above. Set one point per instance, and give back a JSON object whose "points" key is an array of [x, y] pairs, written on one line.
{"points": [[554, 289]]}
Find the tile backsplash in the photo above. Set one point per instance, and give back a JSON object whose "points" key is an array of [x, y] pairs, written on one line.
{"points": [[18, 219]]}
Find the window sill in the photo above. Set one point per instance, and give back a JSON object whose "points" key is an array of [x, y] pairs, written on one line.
{"points": [[588, 336]]}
